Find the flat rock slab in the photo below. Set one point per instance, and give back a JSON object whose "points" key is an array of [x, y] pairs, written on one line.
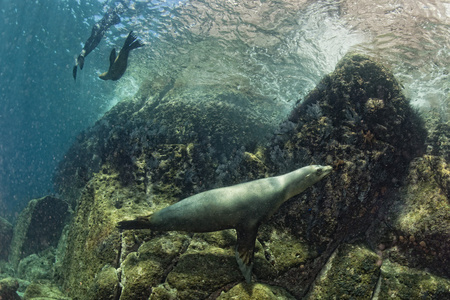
{"points": [[38, 227]]}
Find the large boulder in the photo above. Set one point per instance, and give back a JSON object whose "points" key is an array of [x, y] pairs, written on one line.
{"points": [[217, 119], [6, 233], [420, 217], [38, 227], [358, 121]]}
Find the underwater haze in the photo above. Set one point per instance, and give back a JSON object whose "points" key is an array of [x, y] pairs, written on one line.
{"points": [[279, 49]]}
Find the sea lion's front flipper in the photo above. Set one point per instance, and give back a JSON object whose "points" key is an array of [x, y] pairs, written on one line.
{"points": [[246, 237], [112, 57]]}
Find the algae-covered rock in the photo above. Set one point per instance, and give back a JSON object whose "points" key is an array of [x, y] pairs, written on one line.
{"points": [[44, 290], [8, 288], [147, 267], [6, 269], [284, 250], [351, 273], [207, 264], [171, 141], [93, 243], [218, 119], [245, 291], [6, 233], [358, 121], [38, 227], [400, 282], [37, 266], [105, 284], [421, 216]]}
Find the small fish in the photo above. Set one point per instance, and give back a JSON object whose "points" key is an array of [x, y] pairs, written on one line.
{"points": [[118, 65]]}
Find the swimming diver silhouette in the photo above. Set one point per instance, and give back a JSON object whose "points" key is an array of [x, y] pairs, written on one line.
{"points": [[110, 18]]}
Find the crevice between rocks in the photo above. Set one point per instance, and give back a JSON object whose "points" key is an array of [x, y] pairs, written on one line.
{"points": [[174, 261], [376, 290], [118, 289]]}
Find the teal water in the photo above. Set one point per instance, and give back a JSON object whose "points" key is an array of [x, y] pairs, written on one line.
{"points": [[279, 49]]}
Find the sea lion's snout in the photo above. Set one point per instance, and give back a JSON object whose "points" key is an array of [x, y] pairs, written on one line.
{"points": [[323, 171]]}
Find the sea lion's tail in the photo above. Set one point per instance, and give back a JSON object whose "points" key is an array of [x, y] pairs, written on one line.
{"points": [[138, 223]]}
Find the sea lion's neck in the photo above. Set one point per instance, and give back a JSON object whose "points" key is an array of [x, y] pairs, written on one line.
{"points": [[296, 181]]}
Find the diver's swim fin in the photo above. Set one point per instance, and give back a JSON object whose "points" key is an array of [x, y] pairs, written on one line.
{"points": [[74, 72]]}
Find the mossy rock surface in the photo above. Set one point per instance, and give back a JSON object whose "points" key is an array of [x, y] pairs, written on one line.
{"points": [[37, 266], [400, 282], [93, 241], [146, 268], [421, 216], [204, 267], [255, 291], [44, 290], [351, 273], [217, 119]]}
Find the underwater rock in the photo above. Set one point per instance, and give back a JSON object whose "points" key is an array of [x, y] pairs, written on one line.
{"points": [[38, 227], [93, 244], [8, 288], [42, 290], [439, 135], [400, 282], [147, 267], [245, 291], [169, 142], [6, 233], [358, 121], [420, 217], [217, 119], [6, 269], [37, 266], [351, 272]]}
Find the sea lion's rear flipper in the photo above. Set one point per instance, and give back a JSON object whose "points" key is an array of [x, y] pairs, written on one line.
{"points": [[245, 248], [112, 57]]}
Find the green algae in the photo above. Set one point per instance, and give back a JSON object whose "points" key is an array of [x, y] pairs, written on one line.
{"points": [[43, 290]]}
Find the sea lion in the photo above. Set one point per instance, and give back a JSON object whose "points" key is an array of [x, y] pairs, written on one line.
{"points": [[242, 207], [110, 18], [118, 65]]}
